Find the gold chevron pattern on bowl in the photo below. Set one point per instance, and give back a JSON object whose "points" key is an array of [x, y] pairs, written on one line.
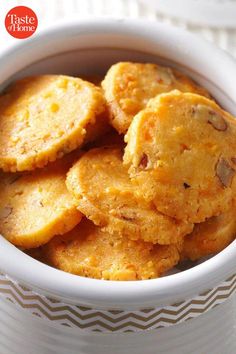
{"points": [[107, 321]]}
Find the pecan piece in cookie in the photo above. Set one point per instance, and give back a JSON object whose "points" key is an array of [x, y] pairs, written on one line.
{"points": [[224, 172]]}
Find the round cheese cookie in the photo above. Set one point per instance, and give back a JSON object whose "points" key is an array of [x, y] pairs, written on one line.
{"points": [[129, 86], [90, 252], [210, 237], [181, 152], [44, 117], [104, 192], [35, 206]]}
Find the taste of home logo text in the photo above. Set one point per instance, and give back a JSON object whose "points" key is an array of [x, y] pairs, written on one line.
{"points": [[21, 22]]}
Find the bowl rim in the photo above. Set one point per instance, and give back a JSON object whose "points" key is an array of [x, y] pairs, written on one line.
{"points": [[112, 294]]}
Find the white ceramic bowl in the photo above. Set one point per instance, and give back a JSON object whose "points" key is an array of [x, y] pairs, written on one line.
{"points": [[90, 48]]}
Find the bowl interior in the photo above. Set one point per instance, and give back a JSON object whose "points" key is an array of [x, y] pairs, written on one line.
{"points": [[96, 61], [90, 49]]}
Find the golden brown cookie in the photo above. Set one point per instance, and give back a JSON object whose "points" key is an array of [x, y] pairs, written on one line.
{"points": [[129, 86], [36, 206], [104, 192], [210, 237], [44, 117], [90, 252], [181, 151]]}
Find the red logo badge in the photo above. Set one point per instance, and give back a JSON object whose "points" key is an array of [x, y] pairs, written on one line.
{"points": [[21, 22]]}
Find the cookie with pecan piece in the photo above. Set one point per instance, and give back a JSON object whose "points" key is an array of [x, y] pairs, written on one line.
{"points": [[90, 252], [44, 117], [105, 194], [180, 151], [128, 87], [35, 206], [210, 237]]}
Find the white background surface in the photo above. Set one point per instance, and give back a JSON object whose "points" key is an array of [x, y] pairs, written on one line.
{"points": [[49, 11], [200, 12]]}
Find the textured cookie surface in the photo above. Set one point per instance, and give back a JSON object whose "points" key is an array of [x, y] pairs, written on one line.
{"points": [[44, 117], [210, 237], [129, 86], [104, 192], [35, 206], [181, 152], [90, 252]]}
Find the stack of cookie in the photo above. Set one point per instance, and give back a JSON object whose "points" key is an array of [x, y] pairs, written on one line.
{"points": [[122, 203]]}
